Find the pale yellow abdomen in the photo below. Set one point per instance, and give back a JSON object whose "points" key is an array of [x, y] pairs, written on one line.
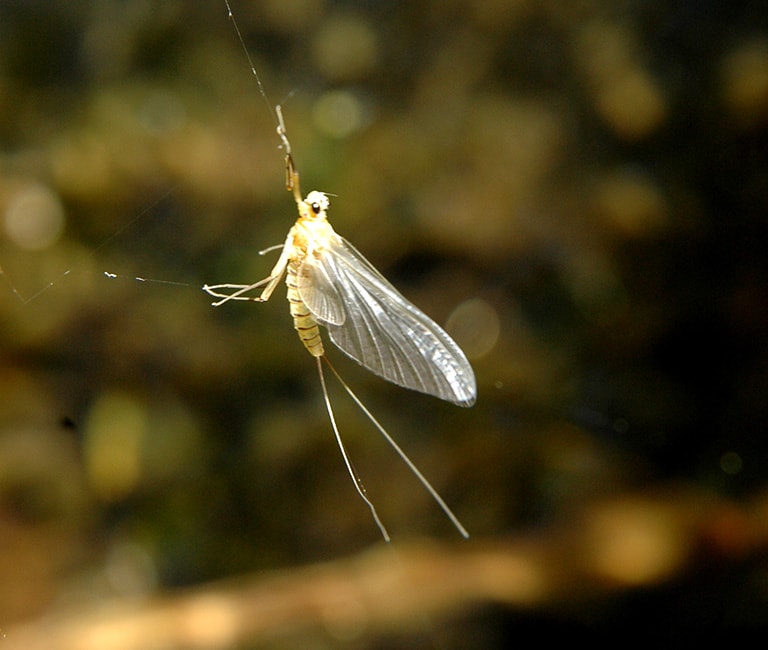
{"points": [[303, 322]]}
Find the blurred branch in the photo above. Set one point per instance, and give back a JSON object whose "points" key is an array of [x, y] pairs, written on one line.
{"points": [[616, 544]]}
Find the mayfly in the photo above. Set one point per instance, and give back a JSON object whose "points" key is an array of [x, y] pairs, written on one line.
{"points": [[331, 284]]}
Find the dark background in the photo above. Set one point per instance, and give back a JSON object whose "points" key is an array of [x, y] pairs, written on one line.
{"points": [[579, 190]]}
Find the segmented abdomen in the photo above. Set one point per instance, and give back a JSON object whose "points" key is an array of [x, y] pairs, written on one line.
{"points": [[303, 322]]}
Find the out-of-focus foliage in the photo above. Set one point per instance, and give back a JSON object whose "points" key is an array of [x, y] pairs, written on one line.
{"points": [[579, 190]]}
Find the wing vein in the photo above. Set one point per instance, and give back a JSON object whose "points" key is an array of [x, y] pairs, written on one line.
{"points": [[371, 322]]}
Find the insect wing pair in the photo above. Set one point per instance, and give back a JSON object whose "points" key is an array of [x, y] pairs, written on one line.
{"points": [[370, 321]]}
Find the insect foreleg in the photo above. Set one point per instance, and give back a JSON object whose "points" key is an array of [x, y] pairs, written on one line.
{"points": [[238, 291]]}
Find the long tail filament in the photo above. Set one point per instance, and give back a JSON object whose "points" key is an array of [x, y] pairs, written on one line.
{"points": [[356, 479]]}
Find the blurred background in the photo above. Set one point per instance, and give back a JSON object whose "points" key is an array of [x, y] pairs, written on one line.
{"points": [[577, 191]]}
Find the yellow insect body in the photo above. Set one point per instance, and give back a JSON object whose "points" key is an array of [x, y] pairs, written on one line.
{"points": [[331, 284], [309, 236]]}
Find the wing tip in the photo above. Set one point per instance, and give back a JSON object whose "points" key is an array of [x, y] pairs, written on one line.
{"points": [[465, 397], [466, 402]]}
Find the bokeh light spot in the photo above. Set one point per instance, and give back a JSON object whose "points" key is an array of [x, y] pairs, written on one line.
{"points": [[338, 113], [731, 462], [34, 217], [476, 326]]}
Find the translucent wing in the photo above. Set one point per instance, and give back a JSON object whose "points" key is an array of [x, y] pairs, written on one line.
{"points": [[381, 330], [320, 294]]}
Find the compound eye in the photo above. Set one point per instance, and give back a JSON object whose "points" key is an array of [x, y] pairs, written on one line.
{"points": [[315, 208]]}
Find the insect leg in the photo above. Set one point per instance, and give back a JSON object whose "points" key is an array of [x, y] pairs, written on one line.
{"points": [[291, 173], [271, 281], [236, 291], [269, 249]]}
